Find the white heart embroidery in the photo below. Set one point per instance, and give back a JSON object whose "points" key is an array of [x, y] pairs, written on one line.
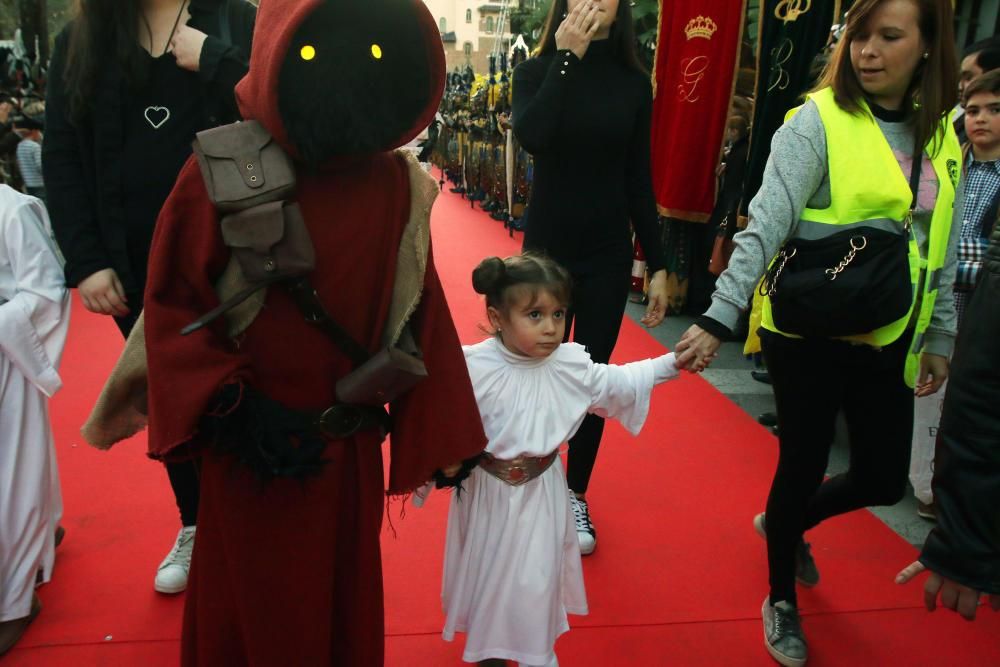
{"points": [[157, 124]]}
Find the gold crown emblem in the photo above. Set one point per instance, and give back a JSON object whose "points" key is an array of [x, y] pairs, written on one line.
{"points": [[701, 26]]}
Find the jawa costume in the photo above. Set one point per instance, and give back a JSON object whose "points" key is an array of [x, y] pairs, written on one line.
{"points": [[287, 567]]}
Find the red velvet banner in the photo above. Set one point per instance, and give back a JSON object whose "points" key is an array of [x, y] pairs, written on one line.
{"points": [[696, 60]]}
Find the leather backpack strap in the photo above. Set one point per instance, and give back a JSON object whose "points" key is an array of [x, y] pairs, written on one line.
{"points": [[307, 299]]}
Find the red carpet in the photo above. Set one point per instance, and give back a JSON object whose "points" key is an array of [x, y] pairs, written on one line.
{"points": [[678, 577]]}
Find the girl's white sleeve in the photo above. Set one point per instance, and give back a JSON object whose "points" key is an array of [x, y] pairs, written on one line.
{"points": [[34, 322], [623, 392]]}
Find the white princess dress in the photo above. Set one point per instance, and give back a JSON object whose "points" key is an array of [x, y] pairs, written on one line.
{"points": [[512, 567], [34, 321]]}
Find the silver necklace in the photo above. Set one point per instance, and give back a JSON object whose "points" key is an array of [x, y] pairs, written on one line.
{"points": [[157, 116]]}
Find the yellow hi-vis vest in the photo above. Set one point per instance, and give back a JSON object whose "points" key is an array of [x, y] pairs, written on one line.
{"points": [[868, 189]]}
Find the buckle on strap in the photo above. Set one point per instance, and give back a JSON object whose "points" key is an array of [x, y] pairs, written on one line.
{"points": [[341, 421]]}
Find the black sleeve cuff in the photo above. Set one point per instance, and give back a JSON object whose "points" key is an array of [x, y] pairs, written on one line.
{"points": [[76, 273], [564, 64], [714, 327]]}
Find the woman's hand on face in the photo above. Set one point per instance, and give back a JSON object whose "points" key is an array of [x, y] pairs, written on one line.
{"points": [[186, 46], [933, 373], [102, 293], [657, 308], [578, 28], [696, 349]]}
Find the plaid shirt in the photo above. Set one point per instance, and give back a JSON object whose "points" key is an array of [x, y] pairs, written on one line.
{"points": [[982, 185]]}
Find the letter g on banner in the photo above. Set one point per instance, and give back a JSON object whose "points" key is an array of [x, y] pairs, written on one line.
{"points": [[693, 71]]}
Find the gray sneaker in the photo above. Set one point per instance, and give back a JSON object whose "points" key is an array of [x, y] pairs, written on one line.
{"points": [[806, 572], [783, 634]]}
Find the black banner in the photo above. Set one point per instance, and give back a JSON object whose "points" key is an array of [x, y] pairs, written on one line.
{"points": [[791, 34]]}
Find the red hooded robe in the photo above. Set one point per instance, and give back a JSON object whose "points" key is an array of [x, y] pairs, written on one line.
{"points": [[289, 572]]}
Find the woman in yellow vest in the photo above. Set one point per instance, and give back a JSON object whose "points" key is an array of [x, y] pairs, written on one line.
{"points": [[842, 171]]}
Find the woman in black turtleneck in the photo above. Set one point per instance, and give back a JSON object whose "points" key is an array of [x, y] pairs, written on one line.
{"points": [[582, 108]]}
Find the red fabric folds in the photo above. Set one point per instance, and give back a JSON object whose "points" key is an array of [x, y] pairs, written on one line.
{"points": [[696, 60]]}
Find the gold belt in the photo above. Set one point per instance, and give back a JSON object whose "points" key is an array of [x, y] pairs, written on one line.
{"points": [[518, 471]]}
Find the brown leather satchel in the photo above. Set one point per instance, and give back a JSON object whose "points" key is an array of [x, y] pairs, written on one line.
{"points": [[243, 166], [270, 240], [249, 177], [390, 373]]}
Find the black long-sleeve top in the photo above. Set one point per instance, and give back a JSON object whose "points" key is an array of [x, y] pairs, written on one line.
{"points": [[587, 125], [83, 162]]}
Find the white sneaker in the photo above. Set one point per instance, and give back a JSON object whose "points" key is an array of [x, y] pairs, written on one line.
{"points": [[585, 530], [172, 575]]}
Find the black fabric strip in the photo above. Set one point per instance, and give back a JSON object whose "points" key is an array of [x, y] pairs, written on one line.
{"points": [[714, 327]]}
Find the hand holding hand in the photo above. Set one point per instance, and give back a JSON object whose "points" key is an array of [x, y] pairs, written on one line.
{"points": [[696, 349], [578, 28], [954, 595], [186, 46], [657, 308], [102, 293], [933, 373]]}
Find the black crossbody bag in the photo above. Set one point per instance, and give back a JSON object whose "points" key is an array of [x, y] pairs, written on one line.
{"points": [[846, 284]]}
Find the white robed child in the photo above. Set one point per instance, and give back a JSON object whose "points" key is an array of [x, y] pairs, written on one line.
{"points": [[34, 319], [512, 567]]}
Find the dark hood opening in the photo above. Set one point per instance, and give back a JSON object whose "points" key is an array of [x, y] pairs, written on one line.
{"points": [[338, 99]]}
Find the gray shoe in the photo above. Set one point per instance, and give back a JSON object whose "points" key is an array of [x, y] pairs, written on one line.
{"points": [[783, 634], [806, 572]]}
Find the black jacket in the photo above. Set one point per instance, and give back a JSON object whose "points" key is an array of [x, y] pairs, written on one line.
{"points": [[81, 162], [965, 545]]}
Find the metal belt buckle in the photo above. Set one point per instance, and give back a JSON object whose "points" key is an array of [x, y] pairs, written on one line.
{"points": [[517, 473], [340, 421]]}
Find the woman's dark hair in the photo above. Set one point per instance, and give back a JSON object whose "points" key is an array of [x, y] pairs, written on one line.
{"points": [[103, 32], [984, 83], [622, 38], [933, 92], [503, 280]]}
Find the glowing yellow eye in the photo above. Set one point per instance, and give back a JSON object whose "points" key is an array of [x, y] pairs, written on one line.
{"points": [[307, 52], [376, 52]]}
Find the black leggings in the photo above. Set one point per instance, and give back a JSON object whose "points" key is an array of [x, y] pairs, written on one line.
{"points": [[599, 298], [813, 381], [184, 477]]}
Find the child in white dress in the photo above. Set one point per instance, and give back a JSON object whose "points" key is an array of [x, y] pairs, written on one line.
{"points": [[512, 567], [34, 320]]}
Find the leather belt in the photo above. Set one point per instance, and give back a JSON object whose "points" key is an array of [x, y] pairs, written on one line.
{"points": [[518, 471], [342, 420]]}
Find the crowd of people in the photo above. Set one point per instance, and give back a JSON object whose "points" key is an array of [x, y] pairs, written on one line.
{"points": [[872, 247]]}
